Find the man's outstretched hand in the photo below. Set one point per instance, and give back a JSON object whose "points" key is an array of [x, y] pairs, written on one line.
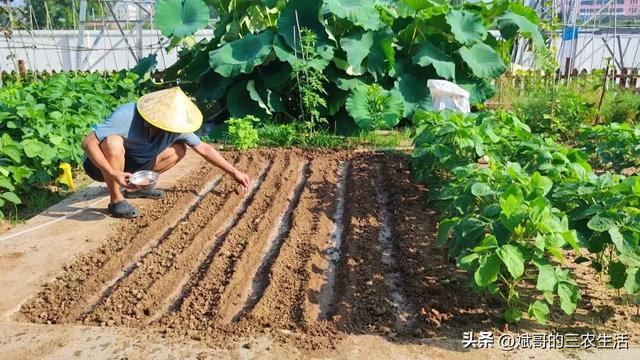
{"points": [[242, 179]]}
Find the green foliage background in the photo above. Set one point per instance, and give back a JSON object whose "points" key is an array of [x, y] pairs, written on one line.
{"points": [[44, 121], [246, 68]]}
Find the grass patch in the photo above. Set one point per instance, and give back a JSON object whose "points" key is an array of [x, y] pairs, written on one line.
{"points": [[289, 135]]}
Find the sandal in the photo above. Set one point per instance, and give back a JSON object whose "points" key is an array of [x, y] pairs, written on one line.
{"points": [[122, 209], [144, 194]]}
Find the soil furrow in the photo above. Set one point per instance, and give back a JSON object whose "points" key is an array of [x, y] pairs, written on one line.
{"points": [[133, 299], [323, 280], [364, 305], [289, 282], [214, 233], [64, 298], [405, 314], [198, 307], [429, 278], [271, 249], [258, 244]]}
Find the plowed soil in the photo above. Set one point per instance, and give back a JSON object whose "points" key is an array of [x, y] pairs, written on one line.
{"points": [[323, 244]]}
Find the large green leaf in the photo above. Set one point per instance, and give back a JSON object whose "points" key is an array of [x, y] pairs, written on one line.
{"points": [[413, 90], [361, 106], [302, 14], [286, 54], [266, 99], [242, 55], [617, 274], [144, 67], [479, 89], [240, 103], [466, 26], [539, 310], [632, 284], [568, 294], [428, 54], [484, 62], [212, 87], [360, 12], [512, 257], [181, 18], [547, 280], [487, 272], [12, 151], [520, 19], [357, 48], [11, 197], [381, 57], [419, 5]]}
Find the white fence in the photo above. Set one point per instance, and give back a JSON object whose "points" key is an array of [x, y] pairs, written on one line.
{"points": [[100, 50], [592, 49]]}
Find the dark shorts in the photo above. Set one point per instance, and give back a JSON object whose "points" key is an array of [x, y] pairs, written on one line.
{"points": [[130, 166]]}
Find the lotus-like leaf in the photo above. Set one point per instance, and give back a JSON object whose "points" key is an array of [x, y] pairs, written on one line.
{"points": [[181, 18], [242, 55], [297, 15], [381, 57], [413, 90], [240, 103], [428, 54], [357, 48], [484, 62], [466, 26], [360, 12], [520, 20]]}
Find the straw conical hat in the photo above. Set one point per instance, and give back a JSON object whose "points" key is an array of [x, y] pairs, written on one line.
{"points": [[170, 110]]}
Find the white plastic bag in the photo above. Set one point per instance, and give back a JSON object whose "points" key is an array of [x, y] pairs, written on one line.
{"points": [[447, 95]]}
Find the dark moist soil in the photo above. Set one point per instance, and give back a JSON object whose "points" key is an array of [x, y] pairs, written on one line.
{"points": [[430, 279], [364, 305], [190, 273]]}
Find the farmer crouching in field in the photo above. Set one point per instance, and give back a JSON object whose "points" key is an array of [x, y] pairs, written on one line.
{"points": [[151, 134]]}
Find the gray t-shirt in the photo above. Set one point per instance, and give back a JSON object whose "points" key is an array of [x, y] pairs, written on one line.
{"points": [[139, 145]]}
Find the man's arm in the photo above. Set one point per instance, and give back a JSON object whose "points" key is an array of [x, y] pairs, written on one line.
{"points": [[91, 146], [213, 156]]}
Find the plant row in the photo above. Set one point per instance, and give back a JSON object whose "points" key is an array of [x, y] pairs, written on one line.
{"points": [[515, 204], [43, 123]]}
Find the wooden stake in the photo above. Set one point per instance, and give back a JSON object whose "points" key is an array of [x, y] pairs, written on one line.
{"points": [[604, 88]]}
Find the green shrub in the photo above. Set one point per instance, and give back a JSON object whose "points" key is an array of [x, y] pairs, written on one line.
{"points": [[284, 135], [43, 122], [621, 106], [241, 132], [558, 115]]}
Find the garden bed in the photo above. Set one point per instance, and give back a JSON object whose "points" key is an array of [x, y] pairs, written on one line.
{"points": [[324, 244]]}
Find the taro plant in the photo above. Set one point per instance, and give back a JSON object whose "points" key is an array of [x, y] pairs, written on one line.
{"points": [[373, 107], [247, 67]]}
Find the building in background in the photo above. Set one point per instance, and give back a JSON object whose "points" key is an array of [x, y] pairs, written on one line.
{"points": [[614, 8]]}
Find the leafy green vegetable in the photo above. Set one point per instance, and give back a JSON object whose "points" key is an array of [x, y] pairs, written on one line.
{"points": [[44, 122]]}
